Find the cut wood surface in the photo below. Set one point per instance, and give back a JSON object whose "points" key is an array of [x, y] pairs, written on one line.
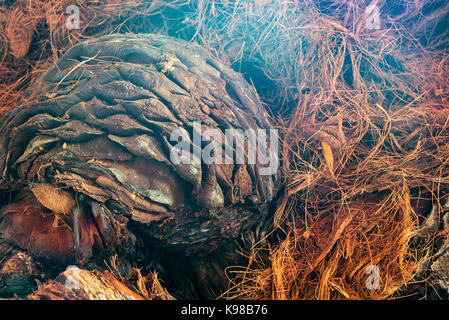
{"points": [[80, 284]]}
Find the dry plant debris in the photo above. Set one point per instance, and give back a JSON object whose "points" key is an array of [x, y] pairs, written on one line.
{"points": [[363, 116]]}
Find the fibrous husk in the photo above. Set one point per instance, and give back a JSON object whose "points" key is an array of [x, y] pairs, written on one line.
{"points": [[58, 201], [377, 98], [19, 31], [101, 130], [109, 136], [20, 273]]}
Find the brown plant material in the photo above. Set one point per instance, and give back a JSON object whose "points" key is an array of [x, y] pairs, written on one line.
{"points": [[328, 157], [52, 198], [81, 284], [97, 147], [23, 60], [150, 287], [20, 273], [377, 98], [376, 107], [111, 141], [327, 256], [19, 32], [30, 226]]}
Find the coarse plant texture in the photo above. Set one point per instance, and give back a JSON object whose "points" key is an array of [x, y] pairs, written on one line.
{"points": [[362, 114]]}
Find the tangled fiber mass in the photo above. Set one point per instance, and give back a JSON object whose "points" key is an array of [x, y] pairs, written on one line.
{"points": [[362, 115]]}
